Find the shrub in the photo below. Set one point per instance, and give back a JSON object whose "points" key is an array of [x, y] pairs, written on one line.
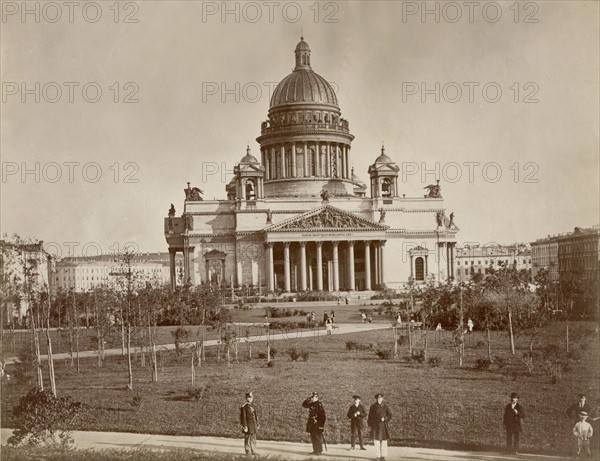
{"points": [[270, 364], [39, 416], [136, 401], [293, 353], [479, 344], [305, 354], [197, 393], [179, 337], [482, 363], [384, 353], [418, 356], [500, 361], [551, 351], [353, 345], [401, 340], [553, 369], [434, 361], [262, 355]]}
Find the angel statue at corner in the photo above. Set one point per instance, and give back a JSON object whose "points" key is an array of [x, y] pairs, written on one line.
{"points": [[434, 190], [193, 193]]}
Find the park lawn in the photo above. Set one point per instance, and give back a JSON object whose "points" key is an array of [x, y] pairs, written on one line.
{"points": [[443, 406], [256, 315]]}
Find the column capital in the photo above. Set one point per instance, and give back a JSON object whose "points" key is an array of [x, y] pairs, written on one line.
{"points": [[335, 243], [319, 243], [268, 244], [286, 244], [302, 244], [350, 242], [382, 243], [367, 243]]}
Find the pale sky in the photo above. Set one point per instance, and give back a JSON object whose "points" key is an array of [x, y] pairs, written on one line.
{"points": [[177, 62]]}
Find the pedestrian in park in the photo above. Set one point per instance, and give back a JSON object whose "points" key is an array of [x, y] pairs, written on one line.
{"points": [[332, 316], [315, 425], [574, 410], [363, 316], [379, 416], [313, 317], [470, 326], [358, 417], [583, 432], [399, 319], [513, 415], [249, 422], [329, 326]]}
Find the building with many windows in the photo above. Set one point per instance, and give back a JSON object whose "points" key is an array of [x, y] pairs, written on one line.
{"points": [[476, 259], [86, 273], [298, 218]]}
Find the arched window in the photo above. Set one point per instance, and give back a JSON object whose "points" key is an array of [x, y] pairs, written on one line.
{"points": [[419, 269], [249, 190]]}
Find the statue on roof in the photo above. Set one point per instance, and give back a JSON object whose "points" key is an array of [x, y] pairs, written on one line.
{"points": [[434, 190], [172, 211], [325, 195], [193, 194]]}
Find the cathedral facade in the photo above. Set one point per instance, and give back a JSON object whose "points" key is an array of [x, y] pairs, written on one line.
{"points": [[300, 219]]}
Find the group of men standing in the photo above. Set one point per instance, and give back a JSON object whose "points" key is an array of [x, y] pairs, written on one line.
{"points": [[376, 418], [379, 415]]}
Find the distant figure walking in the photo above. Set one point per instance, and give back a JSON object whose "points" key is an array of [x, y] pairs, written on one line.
{"points": [[379, 416], [513, 414], [329, 325], [313, 317], [363, 316], [249, 422], [315, 425], [470, 326], [398, 319], [583, 432]]}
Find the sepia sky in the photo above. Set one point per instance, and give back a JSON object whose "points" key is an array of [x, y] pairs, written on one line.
{"points": [[514, 166]]}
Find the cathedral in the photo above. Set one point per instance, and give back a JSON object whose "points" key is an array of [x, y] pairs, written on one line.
{"points": [[300, 218]]}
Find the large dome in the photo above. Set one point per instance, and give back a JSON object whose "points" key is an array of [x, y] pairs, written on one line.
{"points": [[303, 85]]}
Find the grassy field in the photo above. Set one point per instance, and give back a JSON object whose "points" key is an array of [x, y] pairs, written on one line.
{"points": [[444, 406], [14, 341]]}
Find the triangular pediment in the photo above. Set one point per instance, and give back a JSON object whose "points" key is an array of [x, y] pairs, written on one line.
{"points": [[326, 218]]}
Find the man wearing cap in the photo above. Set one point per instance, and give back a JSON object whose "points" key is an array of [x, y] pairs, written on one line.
{"points": [[513, 414], [249, 422], [379, 415], [357, 414], [316, 422], [573, 411]]}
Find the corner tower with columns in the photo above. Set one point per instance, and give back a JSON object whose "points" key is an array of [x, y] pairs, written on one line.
{"points": [[300, 219]]}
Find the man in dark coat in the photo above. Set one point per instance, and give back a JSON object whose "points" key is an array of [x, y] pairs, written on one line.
{"points": [[249, 422], [379, 416], [573, 411], [316, 422], [358, 415], [513, 414]]}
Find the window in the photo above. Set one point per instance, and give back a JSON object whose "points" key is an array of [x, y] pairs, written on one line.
{"points": [[419, 269]]}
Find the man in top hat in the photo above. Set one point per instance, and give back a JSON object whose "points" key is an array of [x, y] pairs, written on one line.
{"points": [[513, 414], [316, 422], [249, 422], [357, 414], [379, 416], [581, 405]]}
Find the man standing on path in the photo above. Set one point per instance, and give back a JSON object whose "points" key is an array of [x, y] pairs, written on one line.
{"points": [[513, 414], [249, 422], [316, 422], [379, 415], [357, 414]]}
